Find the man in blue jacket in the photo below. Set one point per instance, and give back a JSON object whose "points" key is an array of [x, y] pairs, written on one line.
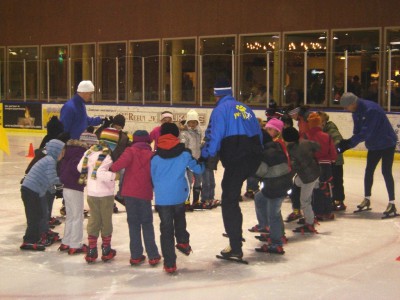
{"points": [[372, 126], [73, 113], [234, 133]]}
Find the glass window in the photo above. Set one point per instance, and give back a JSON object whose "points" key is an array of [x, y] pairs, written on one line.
{"points": [[259, 54], [216, 63], [2, 72], [82, 65], [182, 68], [362, 74], [54, 72], [23, 73], [111, 71], [393, 43], [144, 54], [304, 49]]}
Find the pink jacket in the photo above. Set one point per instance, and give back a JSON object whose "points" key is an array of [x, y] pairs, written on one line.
{"points": [[104, 184], [137, 179]]}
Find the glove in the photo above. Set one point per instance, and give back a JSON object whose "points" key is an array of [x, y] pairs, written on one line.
{"points": [[202, 159], [343, 145], [59, 190], [107, 122]]}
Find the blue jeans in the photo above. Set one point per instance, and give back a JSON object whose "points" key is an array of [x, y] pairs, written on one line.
{"points": [[261, 210], [208, 185], [270, 211], [172, 223], [140, 219]]}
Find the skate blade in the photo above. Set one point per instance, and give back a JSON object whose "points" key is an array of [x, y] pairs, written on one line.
{"points": [[227, 236], [238, 260], [261, 238], [390, 216], [360, 210]]}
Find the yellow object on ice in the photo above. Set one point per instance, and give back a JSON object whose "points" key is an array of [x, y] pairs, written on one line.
{"points": [[4, 141]]}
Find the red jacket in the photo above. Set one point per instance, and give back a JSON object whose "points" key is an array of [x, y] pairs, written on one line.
{"points": [[137, 179], [327, 152]]}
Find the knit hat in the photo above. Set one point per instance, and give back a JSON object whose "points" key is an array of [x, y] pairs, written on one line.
{"points": [[192, 115], [166, 114], [290, 134], [85, 86], [171, 128], [119, 120], [89, 138], [348, 99], [110, 136], [141, 136], [54, 148], [275, 123], [314, 120], [222, 87]]}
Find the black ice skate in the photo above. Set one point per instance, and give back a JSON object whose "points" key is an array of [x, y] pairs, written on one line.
{"points": [[390, 211], [107, 253], [228, 254], [274, 249], [364, 205]]}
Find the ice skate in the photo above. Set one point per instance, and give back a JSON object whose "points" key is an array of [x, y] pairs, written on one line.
{"points": [[32, 246], [184, 248], [83, 249], [275, 249], [259, 229], [390, 211], [63, 247], [338, 205], [228, 254], [227, 236], [54, 222], [306, 228], [107, 253], [295, 215], [137, 261], [154, 261], [364, 205], [170, 269], [91, 255]]}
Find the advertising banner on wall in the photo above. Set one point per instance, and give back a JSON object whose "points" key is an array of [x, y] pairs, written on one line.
{"points": [[22, 115]]}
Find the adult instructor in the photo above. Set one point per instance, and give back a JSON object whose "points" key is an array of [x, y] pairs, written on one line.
{"points": [[372, 126], [234, 133], [73, 113]]}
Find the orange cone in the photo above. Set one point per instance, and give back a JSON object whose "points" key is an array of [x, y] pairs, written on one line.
{"points": [[31, 153]]}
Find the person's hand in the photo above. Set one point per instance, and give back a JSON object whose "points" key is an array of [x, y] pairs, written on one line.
{"points": [[107, 122], [343, 145], [59, 190]]}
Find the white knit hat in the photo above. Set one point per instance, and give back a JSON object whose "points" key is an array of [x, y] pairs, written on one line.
{"points": [[192, 115], [85, 86]]}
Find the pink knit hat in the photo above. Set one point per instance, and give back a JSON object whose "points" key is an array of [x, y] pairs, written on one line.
{"points": [[275, 124]]}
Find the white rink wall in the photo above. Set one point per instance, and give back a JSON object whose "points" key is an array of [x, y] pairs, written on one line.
{"points": [[147, 117]]}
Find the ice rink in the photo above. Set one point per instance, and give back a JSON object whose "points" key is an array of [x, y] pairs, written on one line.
{"points": [[352, 257]]}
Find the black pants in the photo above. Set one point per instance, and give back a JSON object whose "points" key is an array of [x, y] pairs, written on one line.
{"points": [[338, 188], [173, 223], [33, 212], [373, 158], [295, 197], [322, 196], [234, 176]]}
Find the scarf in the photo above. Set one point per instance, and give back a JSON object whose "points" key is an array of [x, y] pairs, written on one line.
{"points": [[95, 148]]}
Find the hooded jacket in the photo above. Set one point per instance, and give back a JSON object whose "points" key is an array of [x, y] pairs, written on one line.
{"points": [[137, 179], [43, 175], [168, 171]]}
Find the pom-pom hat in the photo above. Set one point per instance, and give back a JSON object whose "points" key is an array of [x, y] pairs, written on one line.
{"points": [[110, 136], [192, 115], [275, 123]]}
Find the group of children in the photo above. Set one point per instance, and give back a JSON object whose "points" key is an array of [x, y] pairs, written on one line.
{"points": [[97, 161]]}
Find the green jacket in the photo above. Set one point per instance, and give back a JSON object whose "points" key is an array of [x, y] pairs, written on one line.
{"points": [[331, 129]]}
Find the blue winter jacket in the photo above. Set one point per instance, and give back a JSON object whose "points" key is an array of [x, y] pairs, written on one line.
{"points": [[372, 126], [43, 175], [233, 132], [168, 173], [74, 117]]}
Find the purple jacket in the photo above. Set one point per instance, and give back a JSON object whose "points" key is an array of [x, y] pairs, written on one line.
{"points": [[69, 174]]}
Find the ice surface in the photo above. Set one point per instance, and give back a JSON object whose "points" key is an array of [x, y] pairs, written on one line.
{"points": [[352, 257]]}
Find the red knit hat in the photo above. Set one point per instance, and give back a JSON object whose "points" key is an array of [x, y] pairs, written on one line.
{"points": [[314, 120]]}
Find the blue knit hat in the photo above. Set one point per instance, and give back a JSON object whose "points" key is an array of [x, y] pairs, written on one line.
{"points": [[222, 88]]}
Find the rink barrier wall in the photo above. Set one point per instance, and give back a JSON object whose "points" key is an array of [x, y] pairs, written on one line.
{"points": [[17, 117]]}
